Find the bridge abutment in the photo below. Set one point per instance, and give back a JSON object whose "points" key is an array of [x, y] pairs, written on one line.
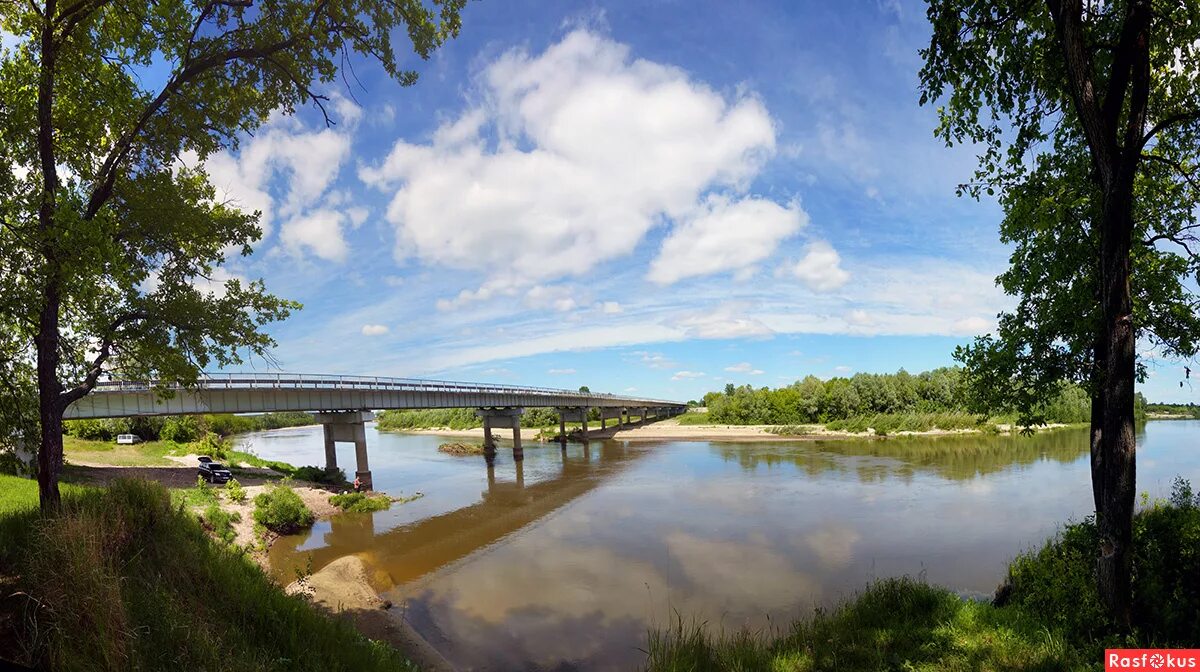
{"points": [[348, 427]]}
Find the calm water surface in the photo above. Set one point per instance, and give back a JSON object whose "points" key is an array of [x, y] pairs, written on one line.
{"points": [[565, 561]]}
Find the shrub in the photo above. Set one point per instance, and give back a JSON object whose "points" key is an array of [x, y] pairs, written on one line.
{"points": [[359, 502], [281, 510], [313, 474], [213, 446], [235, 491], [220, 522], [1057, 583], [456, 448], [182, 429]]}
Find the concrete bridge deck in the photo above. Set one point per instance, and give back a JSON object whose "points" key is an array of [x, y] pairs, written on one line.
{"points": [[263, 393], [344, 403]]}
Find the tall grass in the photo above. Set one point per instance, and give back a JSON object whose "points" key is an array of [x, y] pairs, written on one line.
{"points": [[121, 579], [888, 423], [694, 419], [895, 624]]}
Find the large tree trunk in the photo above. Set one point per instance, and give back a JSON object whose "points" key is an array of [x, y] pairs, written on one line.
{"points": [[1117, 441], [50, 409], [1097, 419]]}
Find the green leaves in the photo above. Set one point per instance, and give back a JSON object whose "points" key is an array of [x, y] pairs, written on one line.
{"points": [[998, 71], [130, 259]]}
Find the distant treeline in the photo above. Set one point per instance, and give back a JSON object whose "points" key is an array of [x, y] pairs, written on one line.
{"points": [[183, 428], [1186, 410], [812, 400], [463, 418]]}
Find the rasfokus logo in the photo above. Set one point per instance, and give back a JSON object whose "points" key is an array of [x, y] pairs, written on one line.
{"points": [[1151, 659]]}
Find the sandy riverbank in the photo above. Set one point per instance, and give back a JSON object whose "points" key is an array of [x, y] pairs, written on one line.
{"points": [[671, 430], [343, 589]]}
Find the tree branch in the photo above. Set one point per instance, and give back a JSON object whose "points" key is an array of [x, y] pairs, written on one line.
{"points": [[1167, 122], [1068, 23], [107, 174], [97, 364]]}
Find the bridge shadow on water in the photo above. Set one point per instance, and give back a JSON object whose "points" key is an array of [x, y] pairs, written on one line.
{"points": [[507, 504]]}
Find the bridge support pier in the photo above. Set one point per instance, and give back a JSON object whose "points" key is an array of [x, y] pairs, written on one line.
{"points": [[574, 414], [348, 427], [610, 413], [504, 417]]}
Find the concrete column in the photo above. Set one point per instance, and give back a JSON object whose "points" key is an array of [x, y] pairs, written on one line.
{"points": [[603, 422], [583, 431], [330, 449], [363, 473], [488, 441], [505, 417], [562, 429], [348, 427]]}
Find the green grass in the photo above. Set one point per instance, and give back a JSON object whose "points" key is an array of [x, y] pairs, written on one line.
{"points": [[359, 502], [895, 624], [146, 454], [154, 454], [202, 495], [126, 580], [888, 423], [694, 419]]}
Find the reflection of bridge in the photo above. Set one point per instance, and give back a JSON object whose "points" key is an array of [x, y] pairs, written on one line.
{"points": [[411, 551], [344, 403]]}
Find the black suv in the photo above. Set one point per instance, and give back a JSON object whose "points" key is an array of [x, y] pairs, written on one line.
{"points": [[213, 472]]}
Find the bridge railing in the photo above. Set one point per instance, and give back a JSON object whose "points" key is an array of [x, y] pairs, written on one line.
{"points": [[218, 381]]}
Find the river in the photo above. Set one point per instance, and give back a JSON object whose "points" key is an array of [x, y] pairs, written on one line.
{"points": [[566, 560]]}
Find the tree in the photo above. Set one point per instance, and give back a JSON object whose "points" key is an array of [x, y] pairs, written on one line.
{"points": [[584, 389], [106, 231], [1086, 119]]}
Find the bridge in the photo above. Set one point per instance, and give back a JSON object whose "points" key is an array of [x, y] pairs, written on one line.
{"points": [[343, 404]]}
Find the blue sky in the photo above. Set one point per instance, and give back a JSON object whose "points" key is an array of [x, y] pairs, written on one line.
{"points": [[649, 196]]}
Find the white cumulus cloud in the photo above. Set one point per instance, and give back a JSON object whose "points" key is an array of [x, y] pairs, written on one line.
{"points": [[820, 268], [285, 172], [687, 375], [744, 367], [561, 372], [724, 235], [572, 157], [374, 329]]}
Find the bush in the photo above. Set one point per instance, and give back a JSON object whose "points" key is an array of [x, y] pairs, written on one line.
{"points": [[281, 510], [359, 502], [220, 522], [213, 446], [1057, 583], [235, 491], [333, 476], [181, 429]]}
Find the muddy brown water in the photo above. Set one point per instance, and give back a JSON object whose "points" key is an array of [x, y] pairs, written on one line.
{"points": [[568, 559]]}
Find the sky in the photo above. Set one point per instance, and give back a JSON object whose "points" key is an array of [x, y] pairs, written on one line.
{"points": [[652, 197]]}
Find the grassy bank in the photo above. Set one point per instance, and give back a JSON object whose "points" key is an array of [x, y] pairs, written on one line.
{"points": [[888, 423], [121, 579], [896, 624], [155, 453], [1047, 616]]}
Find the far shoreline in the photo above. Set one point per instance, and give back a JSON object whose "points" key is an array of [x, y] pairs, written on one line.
{"points": [[671, 430]]}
